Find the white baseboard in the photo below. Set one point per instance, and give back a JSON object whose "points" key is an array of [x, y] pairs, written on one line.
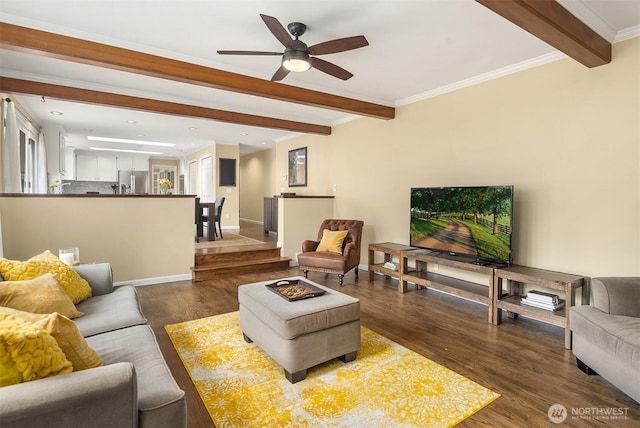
{"points": [[158, 280], [248, 220]]}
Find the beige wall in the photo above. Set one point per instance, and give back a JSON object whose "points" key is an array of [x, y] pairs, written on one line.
{"points": [[257, 181], [148, 239], [302, 217], [231, 207], [567, 137]]}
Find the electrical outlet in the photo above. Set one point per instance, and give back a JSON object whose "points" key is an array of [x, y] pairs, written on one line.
{"points": [[435, 267], [227, 215]]}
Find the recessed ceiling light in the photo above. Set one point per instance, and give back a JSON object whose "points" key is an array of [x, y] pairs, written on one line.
{"points": [[139, 135], [57, 113], [264, 143], [125, 141], [131, 121], [244, 134], [192, 128], [142, 152]]}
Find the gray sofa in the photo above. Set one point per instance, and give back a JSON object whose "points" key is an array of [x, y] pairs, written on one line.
{"points": [[134, 387], [606, 334]]}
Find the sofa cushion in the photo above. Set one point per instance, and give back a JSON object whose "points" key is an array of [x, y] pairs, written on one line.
{"points": [[618, 334], [66, 334], [42, 295], [34, 353], [160, 401], [112, 311], [76, 288], [323, 260]]}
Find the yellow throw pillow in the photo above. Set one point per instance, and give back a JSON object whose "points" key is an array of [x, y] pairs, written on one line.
{"points": [[331, 241], [42, 295], [66, 334], [33, 353], [73, 284]]}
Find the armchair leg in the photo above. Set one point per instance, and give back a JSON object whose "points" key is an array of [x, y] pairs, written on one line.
{"points": [[306, 273], [340, 278], [356, 270]]}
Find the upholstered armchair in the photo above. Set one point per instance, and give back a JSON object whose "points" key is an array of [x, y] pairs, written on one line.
{"points": [[319, 256]]}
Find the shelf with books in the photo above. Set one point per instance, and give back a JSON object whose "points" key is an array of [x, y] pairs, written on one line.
{"points": [[511, 301], [390, 252], [514, 304]]}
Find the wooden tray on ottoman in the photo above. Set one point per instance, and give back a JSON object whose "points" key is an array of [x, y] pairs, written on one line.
{"points": [[295, 289]]}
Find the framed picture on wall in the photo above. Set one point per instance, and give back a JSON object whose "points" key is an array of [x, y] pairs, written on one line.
{"points": [[298, 167]]}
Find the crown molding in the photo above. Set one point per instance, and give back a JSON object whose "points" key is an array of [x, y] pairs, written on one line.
{"points": [[475, 80]]}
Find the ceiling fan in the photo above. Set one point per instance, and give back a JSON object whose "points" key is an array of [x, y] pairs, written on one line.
{"points": [[297, 55]]}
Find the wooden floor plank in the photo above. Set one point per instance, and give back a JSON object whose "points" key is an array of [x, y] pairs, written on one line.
{"points": [[523, 360]]}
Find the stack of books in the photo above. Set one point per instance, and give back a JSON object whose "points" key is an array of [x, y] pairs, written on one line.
{"points": [[542, 300], [390, 266]]}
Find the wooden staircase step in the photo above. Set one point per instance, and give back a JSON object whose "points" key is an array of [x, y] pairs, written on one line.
{"points": [[252, 254], [211, 271]]}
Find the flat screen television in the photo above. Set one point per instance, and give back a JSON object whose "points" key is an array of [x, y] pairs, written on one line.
{"points": [[472, 222]]}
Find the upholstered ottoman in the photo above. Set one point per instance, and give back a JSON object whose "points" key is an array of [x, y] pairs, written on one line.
{"points": [[300, 334]]}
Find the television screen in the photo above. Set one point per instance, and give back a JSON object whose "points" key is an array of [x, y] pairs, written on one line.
{"points": [[470, 221]]}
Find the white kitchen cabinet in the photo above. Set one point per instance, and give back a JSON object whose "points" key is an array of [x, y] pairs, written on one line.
{"points": [[54, 142], [133, 163], [96, 167], [69, 172]]}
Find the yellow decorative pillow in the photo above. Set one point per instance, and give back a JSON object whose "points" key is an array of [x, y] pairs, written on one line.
{"points": [[41, 295], [331, 241], [73, 284], [33, 353], [66, 334]]}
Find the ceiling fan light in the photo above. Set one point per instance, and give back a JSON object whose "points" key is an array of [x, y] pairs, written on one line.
{"points": [[296, 61]]}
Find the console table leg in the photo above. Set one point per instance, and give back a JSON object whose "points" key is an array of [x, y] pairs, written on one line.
{"points": [[371, 262], [570, 295], [402, 268]]}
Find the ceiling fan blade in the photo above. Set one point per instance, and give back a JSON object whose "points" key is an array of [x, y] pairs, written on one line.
{"points": [[338, 45], [278, 30], [280, 74], [329, 68], [248, 53]]}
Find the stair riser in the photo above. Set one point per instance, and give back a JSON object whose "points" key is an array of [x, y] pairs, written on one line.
{"points": [[216, 273], [207, 259]]}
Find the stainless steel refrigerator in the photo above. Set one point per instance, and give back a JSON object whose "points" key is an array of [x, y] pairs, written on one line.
{"points": [[133, 182]]}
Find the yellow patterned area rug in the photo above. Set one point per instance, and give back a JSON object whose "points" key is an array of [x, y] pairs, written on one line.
{"points": [[386, 386]]}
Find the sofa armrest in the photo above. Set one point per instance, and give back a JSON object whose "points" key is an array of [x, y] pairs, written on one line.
{"points": [[308, 246], [617, 295], [101, 397], [98, 275]]}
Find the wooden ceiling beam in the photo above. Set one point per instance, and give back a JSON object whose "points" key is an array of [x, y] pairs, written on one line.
{"points": [[155, 106], [555, 25], [67, 48]]}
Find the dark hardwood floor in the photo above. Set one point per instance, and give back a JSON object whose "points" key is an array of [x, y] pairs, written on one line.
{"points": [[523, 360]]}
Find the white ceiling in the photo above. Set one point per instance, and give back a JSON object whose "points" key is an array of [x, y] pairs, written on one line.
{"points": [[416, 49]]}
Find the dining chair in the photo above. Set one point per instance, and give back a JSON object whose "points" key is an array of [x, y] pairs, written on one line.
{"points": [[218, 214]]}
